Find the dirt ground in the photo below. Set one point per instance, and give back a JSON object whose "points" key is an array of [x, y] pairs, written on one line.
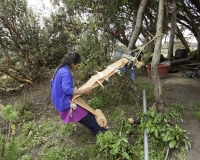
{"points": [[175, 89]]}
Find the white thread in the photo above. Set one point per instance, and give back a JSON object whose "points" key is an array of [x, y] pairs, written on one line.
{"points": [[116, 70], [102, 75]]}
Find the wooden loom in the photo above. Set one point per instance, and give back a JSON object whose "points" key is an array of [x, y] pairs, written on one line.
{"points": [[97, 80]]}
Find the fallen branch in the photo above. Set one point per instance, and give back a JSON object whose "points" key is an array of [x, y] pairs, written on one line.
{"points": [[15, 77], [191, 65]]}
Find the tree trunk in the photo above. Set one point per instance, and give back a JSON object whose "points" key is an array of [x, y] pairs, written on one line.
{"points": [[198, 47], [172, 31], [138, 25], [160, 104], [182, 39]]}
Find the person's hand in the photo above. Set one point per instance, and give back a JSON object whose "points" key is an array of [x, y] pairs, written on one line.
{"points": [[88, 90]]}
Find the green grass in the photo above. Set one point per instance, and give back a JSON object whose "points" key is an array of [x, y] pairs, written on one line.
{"points": [[197, 111]]}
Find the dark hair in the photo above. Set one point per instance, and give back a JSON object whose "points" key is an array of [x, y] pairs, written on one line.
{"points": [[69, 59]]}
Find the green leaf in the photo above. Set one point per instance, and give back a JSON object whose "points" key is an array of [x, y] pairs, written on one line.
{"points": [[156, 133], [114, 151], [125, 155], [147, 130], [170, 137], [172, 144], [124, 139]]}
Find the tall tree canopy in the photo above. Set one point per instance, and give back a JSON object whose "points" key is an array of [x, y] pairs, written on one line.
{"points": [[28, 45], [118, 18]]}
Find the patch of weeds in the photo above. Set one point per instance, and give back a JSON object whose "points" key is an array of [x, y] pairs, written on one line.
{"points": [[197, 111], [175, 111], [49, 136], [9, 148], [101, 98], [178, 155], [66, 130], [59, 152], [49, 144], [140, 86], [84, 138], [27, 157], [112, 146], [24, 110], [47, 127], [163, 132], [97, 102], [176, 107], [115, 115], [90, 152], [35, 134]]}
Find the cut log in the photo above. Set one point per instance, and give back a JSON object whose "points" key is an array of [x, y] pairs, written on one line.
{"points": [[190, 66], [179, 61]]}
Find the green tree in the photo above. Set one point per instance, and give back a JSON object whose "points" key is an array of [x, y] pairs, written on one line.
{"points": [[31, 44], [20, 41], [8, 146]]}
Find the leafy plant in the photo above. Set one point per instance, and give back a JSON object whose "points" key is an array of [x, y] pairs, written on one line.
{"points": [[101, 98], [9, 149], [163, 132], [10, 116], [197, 111], [24, 110], [36, 133], [114, 147], [176, 108]]}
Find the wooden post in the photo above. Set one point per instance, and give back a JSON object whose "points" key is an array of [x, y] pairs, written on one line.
{"points": [[198, 46]]}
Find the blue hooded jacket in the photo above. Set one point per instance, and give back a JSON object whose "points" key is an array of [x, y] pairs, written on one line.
{"points": [[62, 89]]}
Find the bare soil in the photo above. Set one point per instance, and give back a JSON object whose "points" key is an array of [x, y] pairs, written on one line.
{"points": [[175, 89]]}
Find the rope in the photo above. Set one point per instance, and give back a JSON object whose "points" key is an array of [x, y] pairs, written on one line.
{"points": [[143, 47]]}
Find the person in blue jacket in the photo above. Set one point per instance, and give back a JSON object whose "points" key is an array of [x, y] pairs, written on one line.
{"points": [[62, 91]]}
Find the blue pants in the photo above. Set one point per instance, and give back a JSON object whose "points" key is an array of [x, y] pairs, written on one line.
{"points": [[90, 122]]}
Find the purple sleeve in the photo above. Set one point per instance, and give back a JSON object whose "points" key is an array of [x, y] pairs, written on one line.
{"points": [[67, 83]]}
